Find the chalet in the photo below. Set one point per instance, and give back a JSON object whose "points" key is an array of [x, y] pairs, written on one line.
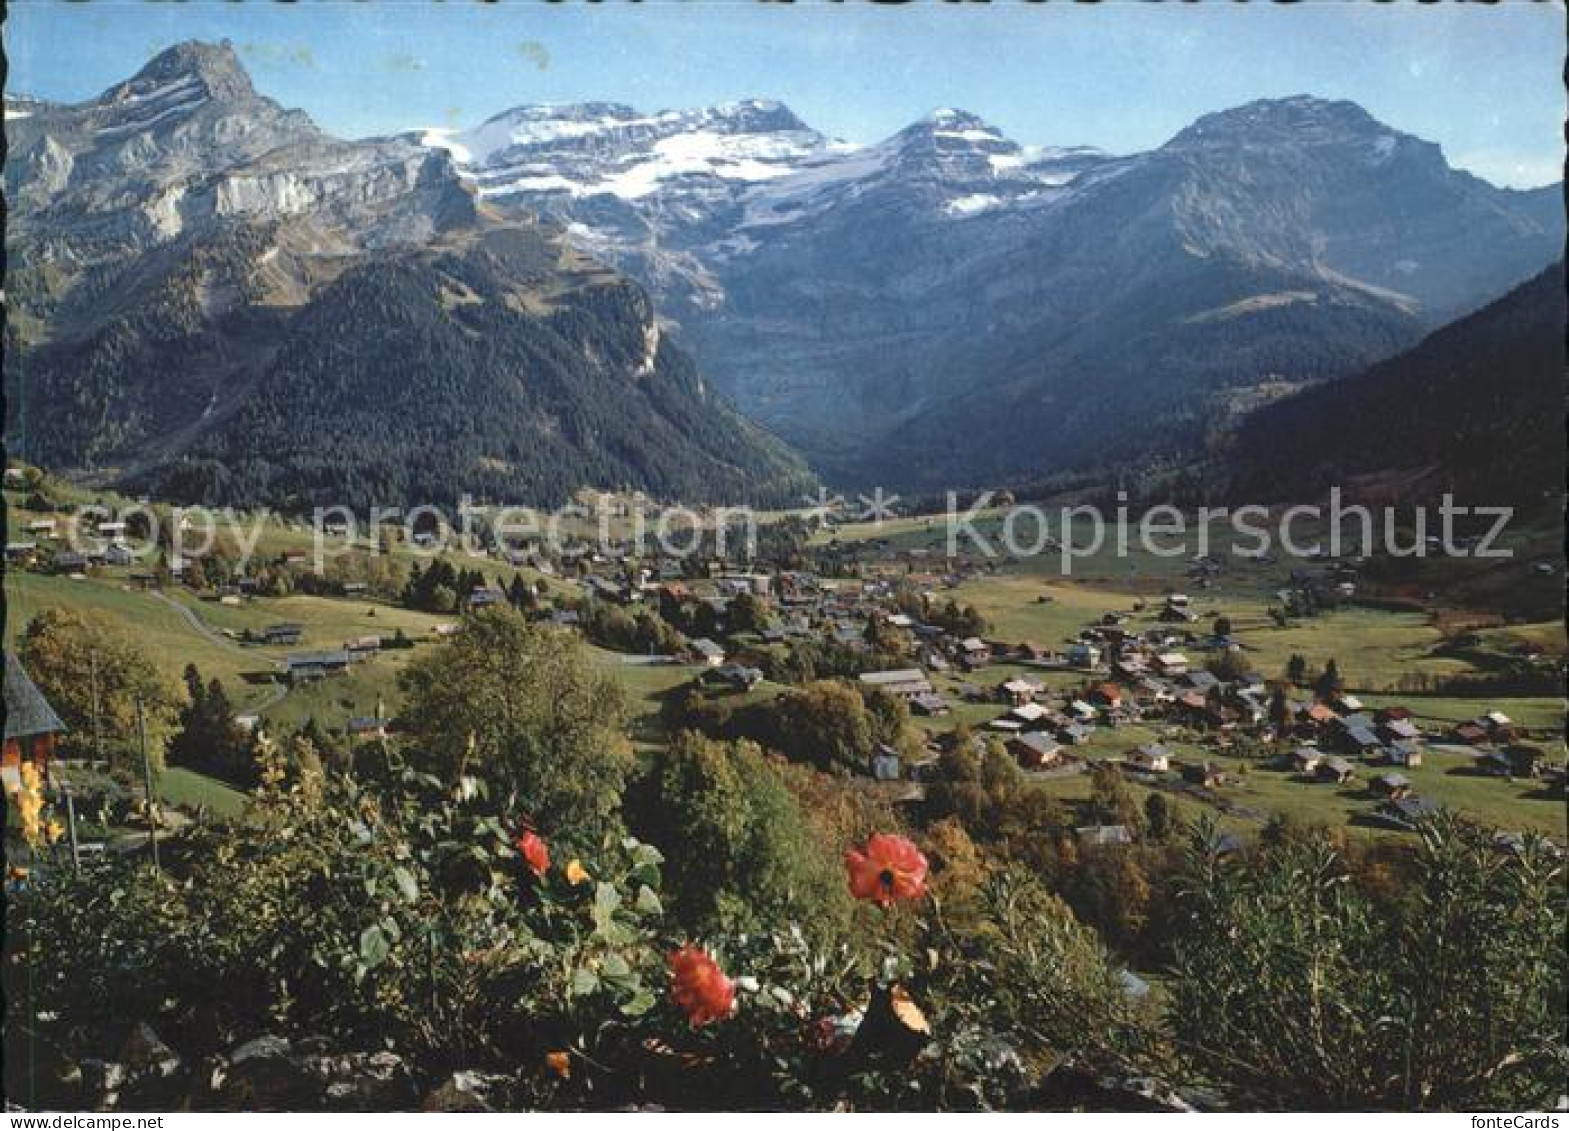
{"points": [[736, 677], [1336, 770], [930, 704], [368, 728], [20, 552], [41, 528], [906, 683], [485, 597], [306, 667], [355, 589], [1035, 751], [707, 652], [31, 725], [1406, 812], [1031, 651], [119, 554], [885, 763], [1470, 733], [70, 562], [1320, 714], [1029, 715], [1073, 734], [1094, 836], [113, 530], [1306, 759], [281, 635], [1107, 695], [1391, 786], [362, 647], [1171, 664], [975, 652], [1347, 704], [1084, 655], [1018, 691], [1201, 681], [1152, 758], [1204, 774], [1358, 738], [1403, 753], [1399, 730], [1172, 614]]}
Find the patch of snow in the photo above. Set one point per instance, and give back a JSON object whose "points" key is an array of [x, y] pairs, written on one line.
{"points": [[972, 204], [439, 138]]}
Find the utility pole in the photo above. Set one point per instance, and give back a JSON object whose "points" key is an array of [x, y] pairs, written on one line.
{"points": [[147, 781], [70, 828], [98, 737]]}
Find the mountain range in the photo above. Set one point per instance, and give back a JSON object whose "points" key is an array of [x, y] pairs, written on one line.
{"points": [[949, 308], [210, 297]]}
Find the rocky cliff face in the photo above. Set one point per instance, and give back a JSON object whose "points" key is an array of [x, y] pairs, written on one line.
{"points": [[213, 299]]}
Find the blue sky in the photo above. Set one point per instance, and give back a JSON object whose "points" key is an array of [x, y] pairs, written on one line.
{"points": [[1485, 82]]}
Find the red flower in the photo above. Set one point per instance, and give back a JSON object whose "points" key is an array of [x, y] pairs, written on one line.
{"points": [[699, 986], [533, 851], [888, 869]]}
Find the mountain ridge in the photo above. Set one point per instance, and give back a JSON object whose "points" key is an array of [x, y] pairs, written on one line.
{"points": [[198, 276]]}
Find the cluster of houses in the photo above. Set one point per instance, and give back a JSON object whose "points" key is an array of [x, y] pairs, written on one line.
{"points": [[45, 547]]}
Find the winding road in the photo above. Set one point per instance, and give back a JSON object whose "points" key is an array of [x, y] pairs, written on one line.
{"points": [[275, 693]]}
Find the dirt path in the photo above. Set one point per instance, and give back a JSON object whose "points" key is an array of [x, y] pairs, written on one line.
{"points": [[274, 694]]}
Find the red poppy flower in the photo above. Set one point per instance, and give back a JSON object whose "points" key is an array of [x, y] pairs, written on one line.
{"points": [[699, 986], [533, 851], [887, 870]]}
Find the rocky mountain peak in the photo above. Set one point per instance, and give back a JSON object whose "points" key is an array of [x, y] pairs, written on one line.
{"points": [[215, 67]]}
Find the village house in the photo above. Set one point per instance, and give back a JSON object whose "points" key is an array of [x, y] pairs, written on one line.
{"points": [[1171, 664], [1095, 836], [1392, 786], [307, 667], [1206, 775], [1029, 716], [1035, 751], [707, 652], [1018, 691], [885, 763], [1151, 758], [1403, 753], [906, 683], [362, 647], [368, 728], [975, 652], [284, 635], [736, 677], [1406, 812], [1083, 655], [1305, 760], [31, 726], [1335, 769]]}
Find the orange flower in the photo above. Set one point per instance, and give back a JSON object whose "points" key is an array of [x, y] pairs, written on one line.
{"points": [[887, 870], [576, 873], [699, 986], [533, 851], [559, 1063]]}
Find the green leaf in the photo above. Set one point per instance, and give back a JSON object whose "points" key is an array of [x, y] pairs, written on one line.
{"points": [[647, 902], [374, 947], [614, 968], [584, 981], [406, 884]]}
